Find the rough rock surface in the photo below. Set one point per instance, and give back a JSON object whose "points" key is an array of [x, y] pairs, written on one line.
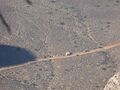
{"points": [[113, 83], [40, 32]]}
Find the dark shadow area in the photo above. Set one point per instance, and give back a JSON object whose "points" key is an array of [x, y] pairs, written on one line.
{"points": [[12, 55], [29, 2]]}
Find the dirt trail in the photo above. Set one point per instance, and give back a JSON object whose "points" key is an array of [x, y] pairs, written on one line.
{"points": [[107, 47]]}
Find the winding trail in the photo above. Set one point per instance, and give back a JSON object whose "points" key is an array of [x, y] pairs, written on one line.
{"points": [[56, 58]]}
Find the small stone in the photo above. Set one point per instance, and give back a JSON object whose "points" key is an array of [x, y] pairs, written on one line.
{"points": [[68, 53]]}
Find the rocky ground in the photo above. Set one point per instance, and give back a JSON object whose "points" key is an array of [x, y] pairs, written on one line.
{"points": [[59, 44]]}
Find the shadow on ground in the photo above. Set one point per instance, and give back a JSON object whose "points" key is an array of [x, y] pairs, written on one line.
{"points": [[12, 55]]}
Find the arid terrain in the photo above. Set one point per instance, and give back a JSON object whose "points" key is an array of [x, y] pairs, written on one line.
{"points": [[59, 44]]}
